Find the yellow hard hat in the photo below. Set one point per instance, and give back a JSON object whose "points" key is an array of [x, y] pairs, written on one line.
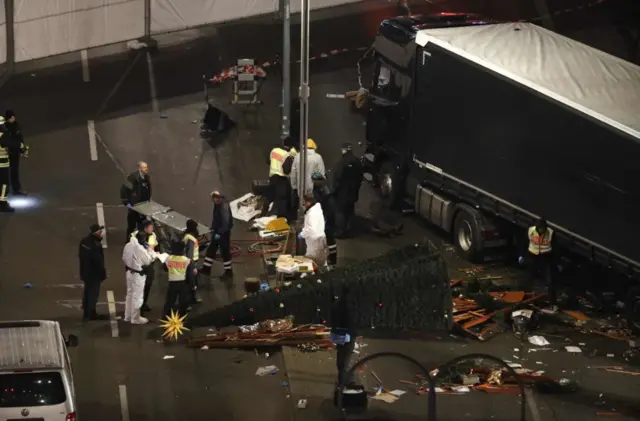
{"points": [[311, 144]]}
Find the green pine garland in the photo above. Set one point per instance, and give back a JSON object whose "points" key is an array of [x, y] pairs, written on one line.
{"points": [[406, 288]]}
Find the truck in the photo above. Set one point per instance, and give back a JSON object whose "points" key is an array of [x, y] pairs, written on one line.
{"points": [[482, 127]]}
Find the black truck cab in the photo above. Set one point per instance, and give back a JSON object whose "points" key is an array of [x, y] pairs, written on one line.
{"points": [[391, 90]]}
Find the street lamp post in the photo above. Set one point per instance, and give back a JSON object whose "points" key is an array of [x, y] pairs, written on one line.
{"points": [[286, 68], [304, 92]]}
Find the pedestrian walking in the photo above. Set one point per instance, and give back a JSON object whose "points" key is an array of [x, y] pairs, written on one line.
{"points": [[137, 256], [136, 189], [92, 271], [347, 179]]}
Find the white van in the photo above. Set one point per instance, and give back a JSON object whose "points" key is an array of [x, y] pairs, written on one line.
{"points": [[36, 382]]}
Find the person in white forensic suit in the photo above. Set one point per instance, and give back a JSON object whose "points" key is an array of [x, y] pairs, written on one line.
{"points": [[137, 256], [313, 232]]}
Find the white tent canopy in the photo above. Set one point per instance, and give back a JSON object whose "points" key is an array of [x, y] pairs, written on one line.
{"points": [[594, 82]]}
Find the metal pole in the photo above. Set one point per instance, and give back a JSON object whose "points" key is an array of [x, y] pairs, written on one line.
{"points": [[286, 67], [304, 92], [147, 19], [10, 42]]}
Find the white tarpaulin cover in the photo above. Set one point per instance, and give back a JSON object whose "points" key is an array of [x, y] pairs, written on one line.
{"points": [[170, 15], [590, 80], [3, 33], [47, 27]]}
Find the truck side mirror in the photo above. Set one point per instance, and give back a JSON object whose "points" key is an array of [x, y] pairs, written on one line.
{"points": [[72, 341]]}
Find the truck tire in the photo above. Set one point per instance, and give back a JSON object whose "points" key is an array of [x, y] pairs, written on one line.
{"points": [[632, 309], [388, 183], [467, 233]]}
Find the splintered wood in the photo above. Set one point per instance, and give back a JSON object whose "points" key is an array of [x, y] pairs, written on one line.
{"points": [[478, 322], [297, 335]]}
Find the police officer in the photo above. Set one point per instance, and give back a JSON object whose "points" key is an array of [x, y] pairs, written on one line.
{"points": [[323, 195], [221, 226], [136, 189], [347, 178], [152, 240], [4, 169], [177, 266], [192, 251], [17, 149], [280, 163], [540, 254]]}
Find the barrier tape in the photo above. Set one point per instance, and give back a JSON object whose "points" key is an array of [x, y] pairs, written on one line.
{"points": [[260, 72]]}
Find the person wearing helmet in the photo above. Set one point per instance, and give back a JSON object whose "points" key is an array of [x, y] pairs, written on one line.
{"points": [[347, 179], [323, 195], [315, 163], [5, 170]]}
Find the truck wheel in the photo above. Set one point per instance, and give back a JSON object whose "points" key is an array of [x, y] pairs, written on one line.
{"points": [[632, 309], [387, 182], [467, 233]]}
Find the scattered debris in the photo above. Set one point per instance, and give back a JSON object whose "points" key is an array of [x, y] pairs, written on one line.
{"points": [[168, 357], [269, 333], [268, 369], [573, 349], [302, 404], [538, 340]]}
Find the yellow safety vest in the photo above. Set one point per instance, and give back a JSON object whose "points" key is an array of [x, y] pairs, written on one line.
{"points": [[196, 246], [277, 157], [4, 156], [153, 240], [539, 244], [177, 267]]}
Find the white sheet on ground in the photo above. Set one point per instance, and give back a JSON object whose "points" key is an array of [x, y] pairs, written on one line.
{"points": [[589, 80], [245, 208]]}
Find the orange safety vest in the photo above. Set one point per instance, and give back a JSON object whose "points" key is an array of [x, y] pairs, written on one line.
{"points": [[539, 244]]}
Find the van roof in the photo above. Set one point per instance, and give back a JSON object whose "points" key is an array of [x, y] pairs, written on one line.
{"points": [[596, 83], [30, 344]]}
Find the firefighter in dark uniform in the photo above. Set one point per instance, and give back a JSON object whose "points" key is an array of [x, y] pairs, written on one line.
{"points": [[323, 195], [17, 149], [221, 226], [92, 271], [177, 267], [136, 189], [4, 169], [192, 251], [152, 240], [347, 178]]}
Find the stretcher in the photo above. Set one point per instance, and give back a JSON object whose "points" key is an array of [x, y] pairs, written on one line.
{"points": [[169, 225]]}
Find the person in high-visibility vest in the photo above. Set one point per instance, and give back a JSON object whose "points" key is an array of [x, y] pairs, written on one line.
{"points": [[540, 251], [5, 170], [192, 251], [280, 162], [152, 240], [177, 267]]}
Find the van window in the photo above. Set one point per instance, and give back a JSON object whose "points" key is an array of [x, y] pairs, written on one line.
{"points": [[31, 389]]}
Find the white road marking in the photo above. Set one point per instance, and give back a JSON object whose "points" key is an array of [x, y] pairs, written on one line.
{"points": [[84, 57], [152, 85], [111, 305], [533, 405], [100, 213], [336, 96], [124, 402], [93, 149]]}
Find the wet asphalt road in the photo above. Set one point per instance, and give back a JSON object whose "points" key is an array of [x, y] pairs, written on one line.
{"points": [[138, 117]]}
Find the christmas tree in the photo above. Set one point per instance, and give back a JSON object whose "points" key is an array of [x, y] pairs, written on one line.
{"points": [[406, 288]]}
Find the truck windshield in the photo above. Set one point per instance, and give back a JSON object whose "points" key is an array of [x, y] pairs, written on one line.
{"points": [[31, 389]]}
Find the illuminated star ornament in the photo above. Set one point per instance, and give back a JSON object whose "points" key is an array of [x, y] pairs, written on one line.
{"points": [[173, 326]]}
